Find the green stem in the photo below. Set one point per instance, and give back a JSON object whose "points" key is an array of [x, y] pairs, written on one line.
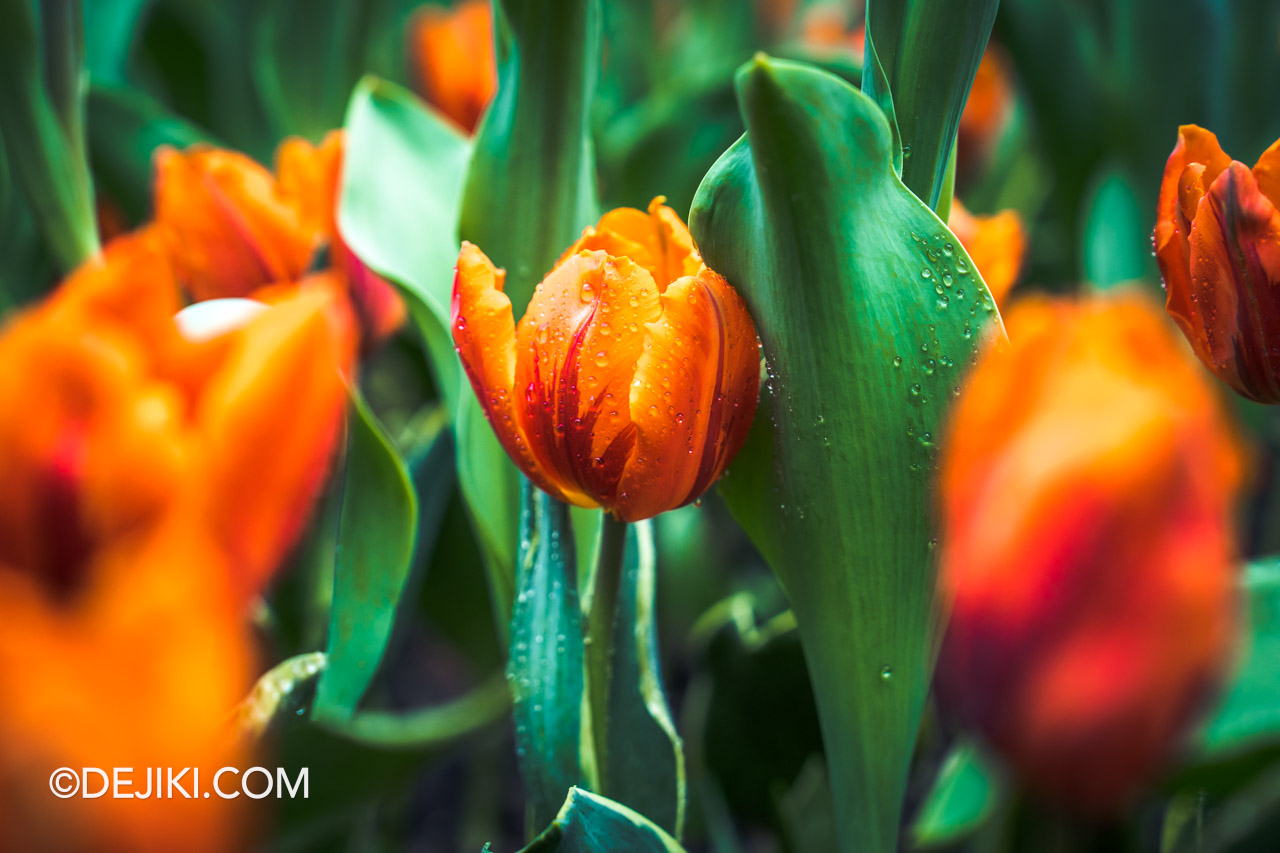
{"points": [[599, 639]]}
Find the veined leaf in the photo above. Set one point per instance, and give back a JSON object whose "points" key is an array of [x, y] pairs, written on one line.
{"points": [[929, 52], [869, 310]]}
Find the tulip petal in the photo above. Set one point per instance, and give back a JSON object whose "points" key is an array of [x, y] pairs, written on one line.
{"points": [[227, 229], [484, 333], [1173, 229], [656, 239], [308, 177], [1235, 270], [694, 393], [270, 419], [579, 348], [1267, 173]]}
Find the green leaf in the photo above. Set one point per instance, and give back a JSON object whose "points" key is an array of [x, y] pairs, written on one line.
{"points": [[479, 708], [644, 764], [376, 538], [126, 126], [1117, 232], [929, 53], [588, 823], [531, 187], [530, 190], [545, 669], [838, 262], [490, 484], [963, 797], [110, 28], [308, 55], [41, 120], [401, 183], [1249, 713]]}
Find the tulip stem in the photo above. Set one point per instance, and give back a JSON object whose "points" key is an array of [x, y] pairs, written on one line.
{"points": [[599, 640]]}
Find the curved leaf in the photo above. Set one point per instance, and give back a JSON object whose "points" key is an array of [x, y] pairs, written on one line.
{"points": [[376, 537], [545, 669], [929, 52], [401, 184], [644, 765], [588, 823], [869, 310]]}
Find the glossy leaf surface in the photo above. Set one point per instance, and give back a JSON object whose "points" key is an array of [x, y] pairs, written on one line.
{"points": [[869, 310]]}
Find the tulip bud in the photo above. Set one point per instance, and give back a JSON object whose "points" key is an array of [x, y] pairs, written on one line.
{"points": [[452, 52], [632, 379], [1086, 485], [1217, 240]]}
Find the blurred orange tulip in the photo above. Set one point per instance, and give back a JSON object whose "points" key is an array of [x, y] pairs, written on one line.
{"points": [[1086, 486], [633, 377], [233, 228], [1217, 241], [985, 112], [997, 245], [153, 483], [453, 56]]}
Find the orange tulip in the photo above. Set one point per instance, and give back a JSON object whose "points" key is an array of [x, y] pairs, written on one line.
{"points": [[1086, 483], [1217, 241], [997, 244], [985, 111], [453, 56], [232, 228], [152, 484], [632, 379]]}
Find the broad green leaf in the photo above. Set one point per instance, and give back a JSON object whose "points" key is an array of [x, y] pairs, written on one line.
{"points": [[869, 311], [545, 669], [1249, 713], [928, 53], [531, 187], [126, 126], [588, 823], [963, 796], [376, 538], [42, 122], [401, 183], [644, 758]]}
